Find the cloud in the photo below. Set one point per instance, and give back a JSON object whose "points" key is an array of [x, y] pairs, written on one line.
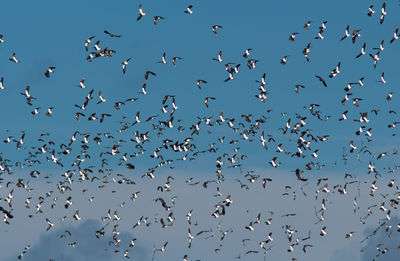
{"points": [[52, 247], [391, 243], [346, 254]]}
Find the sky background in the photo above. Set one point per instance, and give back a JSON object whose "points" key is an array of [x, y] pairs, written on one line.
{"points": [[46, 33]]}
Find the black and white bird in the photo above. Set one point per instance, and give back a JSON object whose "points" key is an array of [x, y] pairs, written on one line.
{"points": [[346, 34], [101, 98], [215, 27], [335, 71], [207, 99], [306, 51], [144, 91], [49, 71], [356, 34], [199, 82], [371, 11], [307, 25], [49, 111], [323, 25], [2, 87], [292, 37], [395, 35], [297, 87], [174, 59], [362, 52], [14, 58], [284, 60], [219, 58], [163, 60], [375, 57], [82, 83], [247, 53], [87, 42], [383, 12], [141, 13], [189, 9], [124, 64], [76, 216], [156, 18]]}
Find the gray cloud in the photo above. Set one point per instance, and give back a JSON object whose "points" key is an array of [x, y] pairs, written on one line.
{"points": [[390, 241]]}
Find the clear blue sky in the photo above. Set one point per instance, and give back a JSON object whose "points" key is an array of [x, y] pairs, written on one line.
{"points": [[46, 33]]}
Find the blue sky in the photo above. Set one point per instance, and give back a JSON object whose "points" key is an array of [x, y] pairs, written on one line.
{"points": [[48, 34]]}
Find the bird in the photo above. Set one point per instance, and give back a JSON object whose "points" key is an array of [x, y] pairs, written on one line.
{"points": [[163, 61], [362, 52], [156, 18], [14, 58], [305, 247], [306, 51], [298, 175], [292, 37], [88, 41], [335, 71], [50, 224], [141, 13], [199, 82], [347, 33], [112, 35], [219, 58], [207, 99], [49, 70], [284, 60], [298, 86], [382, 79], [174, 59], [189, 9], [146, 75], [322, 80], [395, 35], [215, 27], [101, 98], [307, 25], [370, 10], [76, 216], [144, 91], [383, 13], [82, 83], [344, 116], [323, 231], [2, 87], [375, 57], [49, 111], [124, 64], [380, 48], [323, 25], [247, 53]]}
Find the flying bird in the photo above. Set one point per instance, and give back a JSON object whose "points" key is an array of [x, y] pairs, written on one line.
{"points": [[156, 18], [189, 9], [14, 58], [49, 71], [124, 64], [141, 13], [112, 35], [321, 80], [215, 27]]}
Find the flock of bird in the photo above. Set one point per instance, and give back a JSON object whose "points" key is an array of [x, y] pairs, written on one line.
{"points": [[168, 140]]}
